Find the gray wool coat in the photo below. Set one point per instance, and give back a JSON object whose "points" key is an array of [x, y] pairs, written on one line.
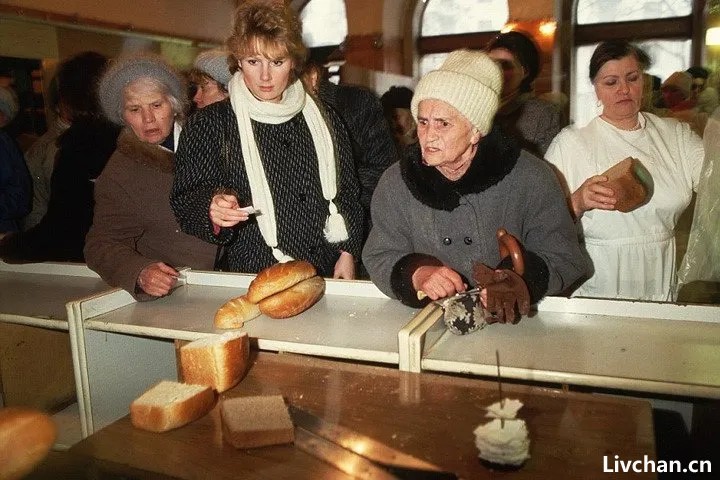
{"points": [[421, 218]]}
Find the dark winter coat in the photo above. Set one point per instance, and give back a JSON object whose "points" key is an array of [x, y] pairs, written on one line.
{"points": [[209, 160], [422, 218], [15, 185], [83, 151]]}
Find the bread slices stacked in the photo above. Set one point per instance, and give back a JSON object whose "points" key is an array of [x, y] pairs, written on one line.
{"points": [[210, 364], [280, 291]]}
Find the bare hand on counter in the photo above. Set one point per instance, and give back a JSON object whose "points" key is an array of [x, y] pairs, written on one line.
{"points": [[225, 211], [438, 282], [592, 194], [345, 267], [157, 279], [502, 291]]}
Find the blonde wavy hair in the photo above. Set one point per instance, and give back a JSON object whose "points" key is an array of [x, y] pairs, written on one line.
{"points": [[268, 28]]}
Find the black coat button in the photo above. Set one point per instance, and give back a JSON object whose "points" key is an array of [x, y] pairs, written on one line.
{"points": [[468, 241], [447, 241]]}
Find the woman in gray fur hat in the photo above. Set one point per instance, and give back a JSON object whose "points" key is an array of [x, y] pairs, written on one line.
{"points": [[210, 77], [135, 242]]}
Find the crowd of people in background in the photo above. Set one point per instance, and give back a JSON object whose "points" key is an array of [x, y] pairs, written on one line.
{"points": [[261, 159]]}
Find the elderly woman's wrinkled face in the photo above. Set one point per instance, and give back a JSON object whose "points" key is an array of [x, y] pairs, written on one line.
{"points": [[266, 78], [512, 70], [619, 86], [447, 139], [148, 111]]}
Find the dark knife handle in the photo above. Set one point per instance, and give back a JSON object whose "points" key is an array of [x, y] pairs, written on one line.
{"points": [[405, 473]]}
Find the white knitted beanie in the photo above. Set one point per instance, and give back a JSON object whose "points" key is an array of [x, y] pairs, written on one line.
{"points": [[680, 80], [468, 80], [215, 63]]}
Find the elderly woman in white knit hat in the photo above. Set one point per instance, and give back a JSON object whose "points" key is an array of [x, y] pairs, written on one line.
{"points": [[135, 242], [436, 213], [211, 75], [269, 175]]}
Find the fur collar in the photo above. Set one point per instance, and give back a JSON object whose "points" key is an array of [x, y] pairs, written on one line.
{"points": [[144, 153], [496, 156]]}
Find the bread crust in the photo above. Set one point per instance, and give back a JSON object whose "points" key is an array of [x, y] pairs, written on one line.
{"points": [[157, 417], [295, 299], [629, 191], [220, 364], [26, 436], [235, 312], [277, 278]]}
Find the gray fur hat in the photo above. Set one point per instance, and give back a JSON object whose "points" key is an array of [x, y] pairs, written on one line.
{"points": [[128, 68], [215, 64]]}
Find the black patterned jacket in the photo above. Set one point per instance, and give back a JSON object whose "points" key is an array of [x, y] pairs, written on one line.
{"points": [[209, 159]]}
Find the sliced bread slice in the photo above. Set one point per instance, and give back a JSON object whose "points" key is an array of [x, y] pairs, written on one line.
{"points": [[249, 422], [219, 361], [170, 405]]}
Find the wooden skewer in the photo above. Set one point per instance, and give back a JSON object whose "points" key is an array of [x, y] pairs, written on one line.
{"points": [[502, 400]]}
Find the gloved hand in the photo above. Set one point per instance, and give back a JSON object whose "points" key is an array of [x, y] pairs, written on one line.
{"points": [[503, 290]]}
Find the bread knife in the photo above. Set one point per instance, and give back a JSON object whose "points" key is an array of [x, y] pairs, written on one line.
{"points": [[357, 454]]}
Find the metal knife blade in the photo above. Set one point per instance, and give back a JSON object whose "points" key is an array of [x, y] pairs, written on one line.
{"points": [[399, 464]]}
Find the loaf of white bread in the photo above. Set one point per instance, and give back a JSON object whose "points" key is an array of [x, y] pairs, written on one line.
{"points": [[249, 422], [219, 361], [169, 405], [235, 312], [280, 291], [26, 436]]}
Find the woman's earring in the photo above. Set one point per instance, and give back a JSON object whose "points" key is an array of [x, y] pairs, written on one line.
{"points": [[598, 103]]}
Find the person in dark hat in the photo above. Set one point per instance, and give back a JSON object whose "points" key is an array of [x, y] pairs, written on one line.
{"points": [[83, 151], [396, 105], [436, 212], [532, 121]]}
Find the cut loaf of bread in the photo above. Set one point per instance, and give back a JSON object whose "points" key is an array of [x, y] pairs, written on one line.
{"points": [[219, 361], [295, 299], [235, 312], [631, 183], [26, 436], [170, 405], [277, 278], [249, 422]]}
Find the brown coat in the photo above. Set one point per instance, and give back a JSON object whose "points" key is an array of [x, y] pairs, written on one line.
{"points": [[133, 225]]}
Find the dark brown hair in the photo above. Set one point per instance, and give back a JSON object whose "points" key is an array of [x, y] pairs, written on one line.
{"points": [[77, 81], [524, 50], [270, 27], [615, 50]]}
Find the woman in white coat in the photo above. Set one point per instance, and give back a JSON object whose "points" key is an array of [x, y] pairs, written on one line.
{"points": [[633, 254]]}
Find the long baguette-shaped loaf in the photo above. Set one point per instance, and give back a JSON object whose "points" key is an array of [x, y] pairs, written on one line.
{"points": [[26, 436], [235, 312], [277, 278], [219, 362], [295, 299], [170, 405]]}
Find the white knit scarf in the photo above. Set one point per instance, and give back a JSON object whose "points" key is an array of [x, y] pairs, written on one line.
{"points": [[294, 100]]}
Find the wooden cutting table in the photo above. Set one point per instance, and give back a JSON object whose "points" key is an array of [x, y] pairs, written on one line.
{"points": [[427, 415]]}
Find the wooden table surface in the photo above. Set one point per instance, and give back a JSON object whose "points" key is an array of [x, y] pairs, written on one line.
{"points": [[430, 416]]}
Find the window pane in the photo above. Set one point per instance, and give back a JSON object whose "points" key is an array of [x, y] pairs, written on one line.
{"points": [[667, 56], [431, 62], [445, 17], [606, 11], [324, 23]]}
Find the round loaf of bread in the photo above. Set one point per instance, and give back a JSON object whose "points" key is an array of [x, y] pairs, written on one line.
{"points": [[26, 436], [277, 278], [235, 312], [295, 299]]}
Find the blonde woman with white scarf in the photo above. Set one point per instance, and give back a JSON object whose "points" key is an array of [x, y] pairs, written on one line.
{"points": [[268, 174]]}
